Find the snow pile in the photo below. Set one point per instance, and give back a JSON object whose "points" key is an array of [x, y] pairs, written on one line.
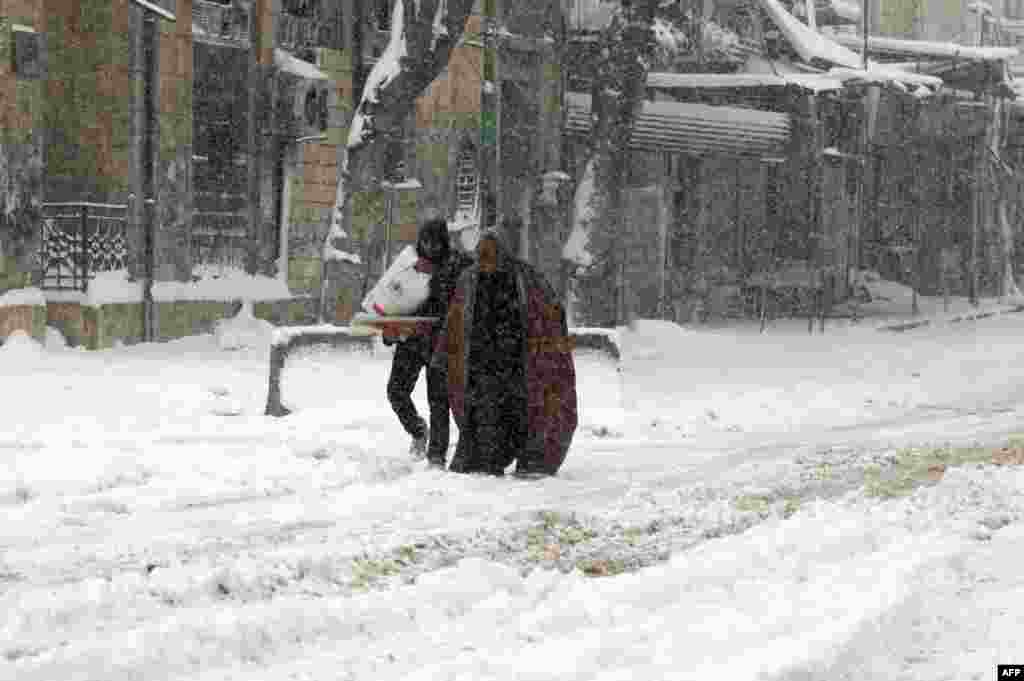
{"points": [[22, 296], [222, 284], [55, 339], [20, 346], [243, 330], [654, 339]]}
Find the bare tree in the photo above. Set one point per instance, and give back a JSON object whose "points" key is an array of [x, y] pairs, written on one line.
{"points": [[617, 92], [423, 33]]}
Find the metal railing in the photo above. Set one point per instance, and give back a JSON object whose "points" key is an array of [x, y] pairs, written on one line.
{"points": [[229, 23], [80, 239]]}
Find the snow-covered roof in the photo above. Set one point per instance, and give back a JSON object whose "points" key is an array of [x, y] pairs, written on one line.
{"points": [[927, 49], [289, 63], [808, 81], [880, 74], [809, 44], [850, 11]]}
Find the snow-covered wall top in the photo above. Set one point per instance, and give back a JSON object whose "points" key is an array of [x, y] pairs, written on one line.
{"points": [[22, 296], [114, 287]]}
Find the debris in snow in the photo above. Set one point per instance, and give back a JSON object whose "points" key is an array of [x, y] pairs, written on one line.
{"points": [[243, 330], [22, 296]]}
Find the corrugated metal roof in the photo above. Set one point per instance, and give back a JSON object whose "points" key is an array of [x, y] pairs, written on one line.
{"points": [[695, 129]]}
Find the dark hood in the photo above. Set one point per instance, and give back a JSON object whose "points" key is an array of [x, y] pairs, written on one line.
{"points": [[505, 259], [434, 232]]}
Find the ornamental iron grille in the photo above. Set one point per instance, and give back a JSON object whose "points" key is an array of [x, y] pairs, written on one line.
{"points": [[80, 239]]}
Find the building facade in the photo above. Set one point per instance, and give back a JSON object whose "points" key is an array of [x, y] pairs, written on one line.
{"points": [[179, 140]]}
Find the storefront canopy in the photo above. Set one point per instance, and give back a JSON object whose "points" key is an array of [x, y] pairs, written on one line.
{"points": [[695, 129]]}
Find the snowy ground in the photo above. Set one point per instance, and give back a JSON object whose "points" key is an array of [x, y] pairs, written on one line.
{"points": [[709, 522]]}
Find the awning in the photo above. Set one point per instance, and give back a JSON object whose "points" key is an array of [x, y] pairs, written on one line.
{"points": [[289, 63], [725, 81], [695, 129]]}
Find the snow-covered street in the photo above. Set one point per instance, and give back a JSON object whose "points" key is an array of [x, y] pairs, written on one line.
{"points": [[710, 522]]}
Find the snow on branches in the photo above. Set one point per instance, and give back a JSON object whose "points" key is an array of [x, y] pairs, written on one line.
{"points": [[423, 33]]}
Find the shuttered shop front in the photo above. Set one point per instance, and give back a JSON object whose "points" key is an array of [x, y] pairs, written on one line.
{"points": [[695, 129]]}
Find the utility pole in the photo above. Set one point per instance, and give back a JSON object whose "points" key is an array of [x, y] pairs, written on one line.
{"points": [[490, 123], [977, 200], [150, 147], [254, 161]]}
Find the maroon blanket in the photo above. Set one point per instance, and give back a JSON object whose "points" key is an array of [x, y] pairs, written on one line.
{"points": [[551, 412]]}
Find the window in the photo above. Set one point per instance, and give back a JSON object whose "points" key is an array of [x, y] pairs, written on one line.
{"points": [[467, 183]]}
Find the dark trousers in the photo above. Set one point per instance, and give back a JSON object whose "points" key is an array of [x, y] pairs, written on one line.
{"points": [[495, 426], [410, 358]]}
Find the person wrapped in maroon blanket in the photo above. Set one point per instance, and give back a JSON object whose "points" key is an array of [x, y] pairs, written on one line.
{"points": [[506, 353], [444, 263]]}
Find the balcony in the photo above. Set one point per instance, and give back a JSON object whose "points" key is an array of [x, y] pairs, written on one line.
{"points": [[220, 24]]}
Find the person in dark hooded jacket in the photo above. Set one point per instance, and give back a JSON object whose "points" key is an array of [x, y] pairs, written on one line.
{"points": [[436, 256], [506, 353]]}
